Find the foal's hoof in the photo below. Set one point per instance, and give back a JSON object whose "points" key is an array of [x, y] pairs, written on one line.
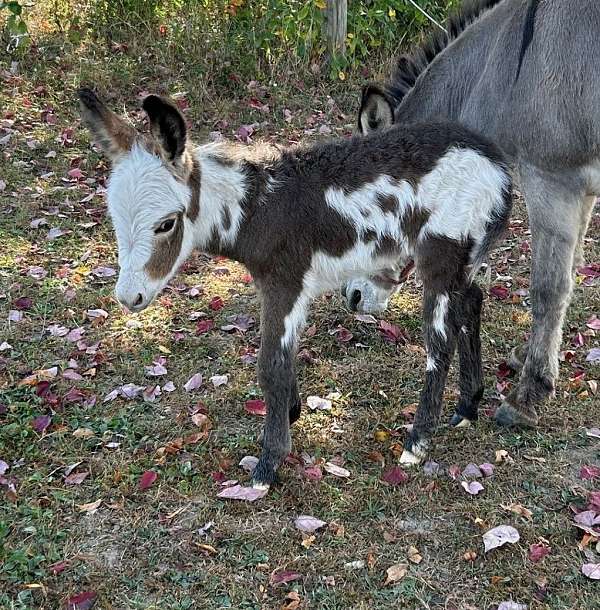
{"points": [[408, 458], [509, 415], [260, 486], [414, 452], [264, 474], [458, 421]]}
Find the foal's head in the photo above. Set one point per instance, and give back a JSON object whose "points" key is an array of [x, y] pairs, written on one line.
{"points": [[152, 194]]}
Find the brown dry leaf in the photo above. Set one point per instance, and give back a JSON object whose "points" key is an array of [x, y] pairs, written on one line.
{"points": [[409, 410], [307, 540], [389, 537], [518, 509], [292, 601], [376, 456], [381, 436], [83, 433], [90, 506], [532, 458], [207, 549], [396, 449], [337, 529], [502, 456], [470, 556], [496, 580], [413, 555], [395, 573], [371, 561]]}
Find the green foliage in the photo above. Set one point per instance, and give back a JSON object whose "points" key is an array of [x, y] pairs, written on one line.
{"points": [[14, 26]]}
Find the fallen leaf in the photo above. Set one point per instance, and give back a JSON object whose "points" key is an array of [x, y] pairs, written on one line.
{"points": [[395, 573], [336, 470], [90, 507], [216, 303], [593, 323], [537, 552], [204, 326], [281, 577], [591, 570], [241, 322], [518, 510], [193, 383], [499, 536], [431, 468], [487, 469], [3, 467], [593, 355], [316, 403], [83, 433], [82, 601], [413, 555], [500, 292], [313, 473], [395, 476], [365, 318], [292, 601], [41, 423], [219, 380], [147, 479], [306, 523], [589, 473], [76, 478], [256, 407], [502, 456], [237, 492], [104, 272], [473, 488], [248, 463], [472, 471], [392, 333], [512, 606]]}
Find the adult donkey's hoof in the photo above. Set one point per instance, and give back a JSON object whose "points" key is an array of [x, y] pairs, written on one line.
{"points": [[458, 421], [509, 415]]}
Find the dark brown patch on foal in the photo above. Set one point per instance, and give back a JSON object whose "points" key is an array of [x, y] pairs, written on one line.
{"points": [[226, 219], [166, 252], [388, 203], [194, 184], [369, 235], [412, 222], [387, 246]]}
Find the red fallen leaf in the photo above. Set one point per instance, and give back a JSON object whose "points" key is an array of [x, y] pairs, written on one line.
{"points": [[589, 473], [537, 552], [23, 303], [218, 476], [593, 323], [395, 476], [454, 471], [392, 333], [343, 335], [284, 576], [75, 395], [147, 479], [578, 340], [256, 407], [204, 326], [216, 303], [594, 501], [313, 473], [82, 601], [500, 292], [58, 567], [40, 423], [503, 371]]}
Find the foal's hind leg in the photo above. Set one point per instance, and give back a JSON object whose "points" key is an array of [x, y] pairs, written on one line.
{"points": [[584, 221], [554, 217], [469, 352]]}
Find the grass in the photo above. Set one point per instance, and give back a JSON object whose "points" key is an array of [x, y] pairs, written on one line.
{"points": [[146, 549]]}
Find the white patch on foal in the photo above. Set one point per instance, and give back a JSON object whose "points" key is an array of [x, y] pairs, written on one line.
{"points": [[439, 315]]}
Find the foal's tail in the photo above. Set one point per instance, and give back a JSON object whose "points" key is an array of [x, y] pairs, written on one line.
{"points": [[495, 229]]}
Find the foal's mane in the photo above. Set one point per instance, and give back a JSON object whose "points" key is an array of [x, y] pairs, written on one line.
{"points": [[410, 66]]}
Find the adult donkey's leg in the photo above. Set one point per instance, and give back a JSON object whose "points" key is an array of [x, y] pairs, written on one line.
{"points": [[281, 320], [584, 221], [554, 208], [469, 352]]}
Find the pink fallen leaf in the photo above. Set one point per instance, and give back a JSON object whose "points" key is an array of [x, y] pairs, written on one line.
{"points": [[3, 467], [193, 383], [395, 476], [589, 472], [431, 468], [75, 173], [306, 523], [594, 499], [158, 368], [95, 314], [336, 470], [23, 303], [256, 407], [151, 393], [365, 318], [237, 492], [58, 567], [37, 273], [200, 419], [14, 315], [71, 375], [499, 536], [111, 396], [512, 606], [454, 471], [131, 390], [75, 335], [591, 570], [241, 322], [54, 233], [500, 292], [313, 473], [487, 469], [76, 478], [284, 576], [82, 601], [41, 423], [343, 335], [473, 488], [169, 387], [56, 330], [147, 479], [537, 552], [593, 323]]}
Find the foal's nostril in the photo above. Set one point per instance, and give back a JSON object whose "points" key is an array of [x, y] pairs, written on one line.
{"points": [[355, 299], [138, 300]]}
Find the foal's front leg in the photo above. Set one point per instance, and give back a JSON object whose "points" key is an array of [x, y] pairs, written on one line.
{"points": [[439, 331], [281, 321]]}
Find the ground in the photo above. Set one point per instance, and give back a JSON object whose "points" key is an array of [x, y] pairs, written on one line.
{"points": [[81, 516]]}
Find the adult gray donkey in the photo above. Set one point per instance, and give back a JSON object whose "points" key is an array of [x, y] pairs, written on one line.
{"points": [[526, 74]]}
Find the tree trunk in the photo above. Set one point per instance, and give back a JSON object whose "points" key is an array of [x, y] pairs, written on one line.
{"points": [[337, 20]]}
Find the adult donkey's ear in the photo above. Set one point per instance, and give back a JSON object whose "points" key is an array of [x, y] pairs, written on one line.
{"points": [[114, 136], [167, 126], [376, 109]]}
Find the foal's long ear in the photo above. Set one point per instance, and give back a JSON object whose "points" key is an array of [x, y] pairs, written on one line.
{"points": [[376, 110], [167, 125], [114, 136]]}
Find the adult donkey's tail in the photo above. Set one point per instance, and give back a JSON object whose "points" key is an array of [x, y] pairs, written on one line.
{"points": [[495, 228]]}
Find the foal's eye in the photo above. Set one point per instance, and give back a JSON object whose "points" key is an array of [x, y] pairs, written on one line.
{"points": [[165, 226]]}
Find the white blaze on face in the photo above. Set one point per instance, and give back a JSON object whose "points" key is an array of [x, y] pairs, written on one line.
{"points": [[142, 192]]}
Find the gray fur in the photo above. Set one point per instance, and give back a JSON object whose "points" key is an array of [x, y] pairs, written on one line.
{"points": [[526, 75]]}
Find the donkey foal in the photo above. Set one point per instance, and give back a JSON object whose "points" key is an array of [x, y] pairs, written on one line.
{"points": [[304, 221]]}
